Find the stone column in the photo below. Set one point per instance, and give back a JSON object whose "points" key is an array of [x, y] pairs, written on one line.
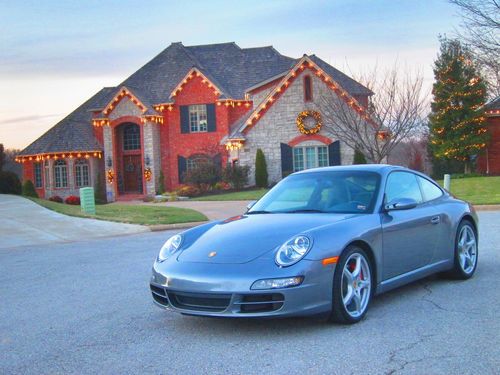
{"points": [[108, 154], [70, 163], [151, 152]]}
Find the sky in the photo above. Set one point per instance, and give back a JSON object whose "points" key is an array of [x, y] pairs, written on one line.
{"points": [[56, 54]]}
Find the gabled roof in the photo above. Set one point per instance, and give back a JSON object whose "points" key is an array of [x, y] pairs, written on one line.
{"points": [[75, 131], [233, 70], [493, 105]]}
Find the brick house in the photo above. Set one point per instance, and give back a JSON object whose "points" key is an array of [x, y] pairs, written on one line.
{"points": [[187, 105], [489, 161]]}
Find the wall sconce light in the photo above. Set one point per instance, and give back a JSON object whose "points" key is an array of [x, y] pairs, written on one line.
{"points": [[147, 160], [109, 162]]}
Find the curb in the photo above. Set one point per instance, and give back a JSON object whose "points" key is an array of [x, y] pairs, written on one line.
{"points": [[162, 227], [487, 207]]}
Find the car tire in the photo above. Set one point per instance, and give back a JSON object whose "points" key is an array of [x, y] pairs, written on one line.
{"points": [[465, 252], [350, 289]]}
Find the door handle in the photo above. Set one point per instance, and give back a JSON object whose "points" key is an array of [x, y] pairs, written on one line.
{"points": [[436, 220]]}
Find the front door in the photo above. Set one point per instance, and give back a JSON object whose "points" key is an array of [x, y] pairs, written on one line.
{"points": [[132, 174]]}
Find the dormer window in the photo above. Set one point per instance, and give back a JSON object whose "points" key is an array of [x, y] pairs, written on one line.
{"points": [[308, 96]]}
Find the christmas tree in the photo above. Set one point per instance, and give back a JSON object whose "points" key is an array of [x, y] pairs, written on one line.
{"points": [[457, 121]]}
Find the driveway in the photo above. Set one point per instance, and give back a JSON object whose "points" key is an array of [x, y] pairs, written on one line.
{"points": [[23, 223], [85, 308]]}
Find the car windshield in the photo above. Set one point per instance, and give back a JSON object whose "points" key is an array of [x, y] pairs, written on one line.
{"points": [[322, 192]]}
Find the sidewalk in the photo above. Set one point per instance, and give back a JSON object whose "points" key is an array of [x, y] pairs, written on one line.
{"points": [[23, 223]]}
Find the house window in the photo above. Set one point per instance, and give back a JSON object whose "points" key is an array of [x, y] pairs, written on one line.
{"points": [[197, 118], [307, 89], [38, 175], [309, 157], [60, 174], [131, 137], [46, 167], [195, 161], [82, 176]]}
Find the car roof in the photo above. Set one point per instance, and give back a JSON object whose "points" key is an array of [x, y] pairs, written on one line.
{"points": [[378, 168]]}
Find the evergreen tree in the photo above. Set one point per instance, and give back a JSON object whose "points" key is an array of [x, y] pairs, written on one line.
{"points": [[29, 189], [457, 121], [260, 169], [359, 158], [161, 183]]}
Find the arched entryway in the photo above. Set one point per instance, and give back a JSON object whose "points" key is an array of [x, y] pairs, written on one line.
{"points": [[128, 149]]}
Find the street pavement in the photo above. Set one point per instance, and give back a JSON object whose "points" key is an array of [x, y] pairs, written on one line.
{"points": [[23, 222], [85, 308]]}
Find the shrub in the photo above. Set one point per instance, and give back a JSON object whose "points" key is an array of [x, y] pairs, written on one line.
{"points": [[10, 183], [359, 158], [56, 198], [222, 185], [260, 169], [204, 173], [236, 175], [72, 199], [187, 191], [29, 189], [161, 183]]}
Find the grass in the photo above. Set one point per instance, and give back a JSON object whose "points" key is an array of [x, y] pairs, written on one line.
{"points": [[245, 195], [127, 213], [476, 190]]}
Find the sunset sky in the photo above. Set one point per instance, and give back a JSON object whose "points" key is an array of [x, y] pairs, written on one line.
{"points": [[56, 54]]}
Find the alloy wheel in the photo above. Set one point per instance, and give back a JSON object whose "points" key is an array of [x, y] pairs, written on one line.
{"points": [[356, 285], [467, 249]]}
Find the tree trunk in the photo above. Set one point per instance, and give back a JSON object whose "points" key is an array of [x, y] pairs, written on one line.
{"points": [[467, 167]]}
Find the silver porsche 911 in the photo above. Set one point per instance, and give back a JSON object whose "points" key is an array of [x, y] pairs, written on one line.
{"points": [[322, 241]]}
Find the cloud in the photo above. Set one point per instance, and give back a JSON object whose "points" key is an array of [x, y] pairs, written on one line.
{"points": [[19, 119]]}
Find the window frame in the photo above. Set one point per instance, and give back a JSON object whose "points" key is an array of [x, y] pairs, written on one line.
{"points": [[126, 141], [79, 165], [199, 111], [61, 172], [37, 175], [193, 161], [308, 88], [305, 158]]}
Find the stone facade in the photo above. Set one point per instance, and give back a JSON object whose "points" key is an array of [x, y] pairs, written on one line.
{"points": [[278, 125]]}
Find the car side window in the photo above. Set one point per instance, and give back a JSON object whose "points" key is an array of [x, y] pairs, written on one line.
{"points": [[429, 190], [402, 185]]}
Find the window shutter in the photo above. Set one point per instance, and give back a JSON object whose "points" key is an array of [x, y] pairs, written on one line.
{"points": [[334, 153], [184, 119], [217, 159], [181, 163], [286, 160], [211, 127]]}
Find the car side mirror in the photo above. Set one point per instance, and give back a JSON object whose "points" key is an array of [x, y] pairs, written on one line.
{"points": [[401, 204], [250, 205]]}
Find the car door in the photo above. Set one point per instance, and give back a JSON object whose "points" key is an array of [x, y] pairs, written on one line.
{"points": [[408, 235]]}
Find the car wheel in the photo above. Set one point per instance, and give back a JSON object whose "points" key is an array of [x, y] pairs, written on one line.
{"points": [[352, 286], [466, 251]]}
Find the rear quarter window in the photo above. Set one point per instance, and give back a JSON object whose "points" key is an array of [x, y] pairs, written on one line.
{"points": [[429, 190]]}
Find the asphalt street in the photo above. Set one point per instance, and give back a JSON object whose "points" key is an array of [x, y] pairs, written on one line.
{"points": [[85, 308]]}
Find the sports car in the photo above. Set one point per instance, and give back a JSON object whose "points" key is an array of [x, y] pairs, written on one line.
{"points": [[321, 242]]}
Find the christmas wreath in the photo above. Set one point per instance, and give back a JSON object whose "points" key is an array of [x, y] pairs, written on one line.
{"points": [[148, 174], [301, 119]]}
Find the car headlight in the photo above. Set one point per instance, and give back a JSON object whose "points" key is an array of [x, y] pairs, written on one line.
{"points": [[171, 246], [293, 250]]}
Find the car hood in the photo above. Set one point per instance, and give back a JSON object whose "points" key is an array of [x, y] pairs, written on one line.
{"points": [[244, 238]]}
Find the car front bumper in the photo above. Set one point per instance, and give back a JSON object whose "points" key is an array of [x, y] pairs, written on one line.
{"points": [[223, 290]]}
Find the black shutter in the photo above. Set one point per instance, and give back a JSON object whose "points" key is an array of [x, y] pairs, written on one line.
{"points": [[286, 160], [181, 163], [211, 117], [184, 119], [334, 153], [217, 159]]}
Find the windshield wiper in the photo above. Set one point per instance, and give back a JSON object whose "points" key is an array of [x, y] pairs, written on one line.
{"points": [[309, 210], [258, 212]]}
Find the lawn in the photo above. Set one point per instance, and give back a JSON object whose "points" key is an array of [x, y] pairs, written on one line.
{"points": [[476, 190], [127, 213], [245, 195]]}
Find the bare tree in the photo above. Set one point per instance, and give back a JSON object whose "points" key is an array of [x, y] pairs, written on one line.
{"points": [[395, 113], [481, 30]]}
